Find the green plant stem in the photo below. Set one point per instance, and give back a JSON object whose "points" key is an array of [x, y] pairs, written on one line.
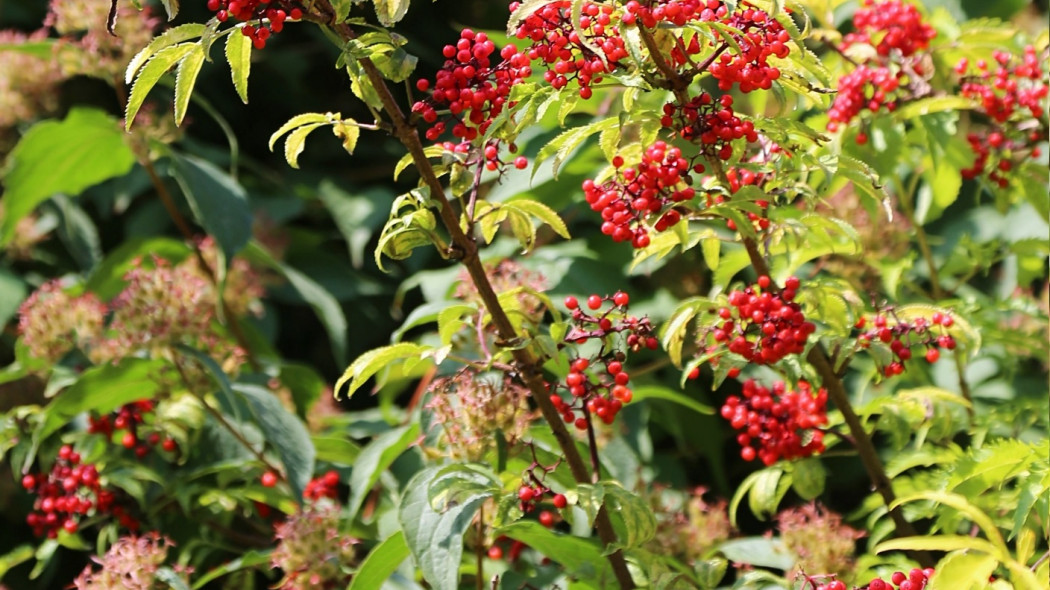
{"points": [[479, 549], [465, 249]]}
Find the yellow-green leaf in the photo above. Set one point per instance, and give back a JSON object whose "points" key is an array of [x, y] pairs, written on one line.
{"points": [[169, 38], [543, 213], [296, 142], [373, 361], [185, 79], [239, 56], [299, 121], [348, 132], [151, 73]]}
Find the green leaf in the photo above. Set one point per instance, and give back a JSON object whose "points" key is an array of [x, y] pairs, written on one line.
{"points": [[171, 7], [12, 293], [341, 9], [296, 142], [285, 432], [960, 503], [348, 132], [963, 571], [375, 458], [171, 578], [246, 560], [239, 56], [759, 551], [219, 203], [321, 301], [390, 11], [580, 557], [457, 482], [541, 212], [924, 106], [632, 518], [937, 543], [154, 70], [14, 557], [101, 389], [435, 539], [67, 156], [561, 146], [300, 120], [78, 232], [381, 563], [373, 361], [807, 478], [169, 38], [668, 394], [43, 48], [185, 79]]}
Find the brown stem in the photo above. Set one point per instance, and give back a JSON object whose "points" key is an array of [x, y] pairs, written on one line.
{"points": [[479, 550], [869, 457], [466, 250]]}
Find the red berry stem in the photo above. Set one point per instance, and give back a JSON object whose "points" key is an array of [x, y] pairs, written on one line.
{"points": [[465, 249]]}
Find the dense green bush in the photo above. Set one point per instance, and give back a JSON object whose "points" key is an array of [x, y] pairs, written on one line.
{"points": [[659, 293]]}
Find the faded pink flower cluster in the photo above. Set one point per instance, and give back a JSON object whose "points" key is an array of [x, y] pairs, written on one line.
{"points": [[161, 306], [311, 550], [822, 542], [468, 408], [130, 564], [53, 322], [87, 48], [691, 526], [28, 84]]}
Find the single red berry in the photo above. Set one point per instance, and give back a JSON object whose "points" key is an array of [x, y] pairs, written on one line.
{"points": [[495, 552], [559, 501], [621, 299], [28, 482], [932, 355], [546, 518], [571, 302], [521, 162], [129, 440], [169, 445], [268, 479], [525, 494], [594, 302]]}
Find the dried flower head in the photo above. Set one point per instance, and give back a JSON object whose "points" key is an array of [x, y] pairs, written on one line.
{"points": [[87, 48], [822, 542], [130, 564], [28, 84], [244, 286], [508, 275], [311, 550], [689, 527], [52, 322], [469, 408]]}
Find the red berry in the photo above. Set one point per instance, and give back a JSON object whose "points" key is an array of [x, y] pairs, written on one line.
{"points": [[594, 302], [621, 299], [571, 302], [546, 518], [129, 440], [495, 552], [559, 501], [932, 355], [268, 479], [525, 494]]}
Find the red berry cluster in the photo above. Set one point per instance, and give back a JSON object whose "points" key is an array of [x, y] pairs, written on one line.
{"points": [[270, 15], [572, 54], [709, 123], [867, 87], [897, 26], [470, 87], [68, 493], [594, 392], [902, 335], [1015, 90], [676, 12], [761, 36], [881, 82], [762, 324], [324, 486], [916, 579], [779, 423], [130, 418], [642, 197]]}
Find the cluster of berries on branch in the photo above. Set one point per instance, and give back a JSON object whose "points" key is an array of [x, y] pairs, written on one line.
{"points": [[779, 423], [916, 579], [739, 178], [470, 87], [130, 418], [900, 38], [269, 16], [1013, 97], [709, 123], [596, 392], [583, 54], [323, 486], [642, 197], [71, 491], [761, 323], [901, 335]]}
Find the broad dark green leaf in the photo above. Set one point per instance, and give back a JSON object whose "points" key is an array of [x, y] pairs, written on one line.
{"points": [[759, 551], [12, 293], [67, 156], [436, 539], [218, 202], [381, 563], [374, 459], [580, 557], [285, 432]]}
